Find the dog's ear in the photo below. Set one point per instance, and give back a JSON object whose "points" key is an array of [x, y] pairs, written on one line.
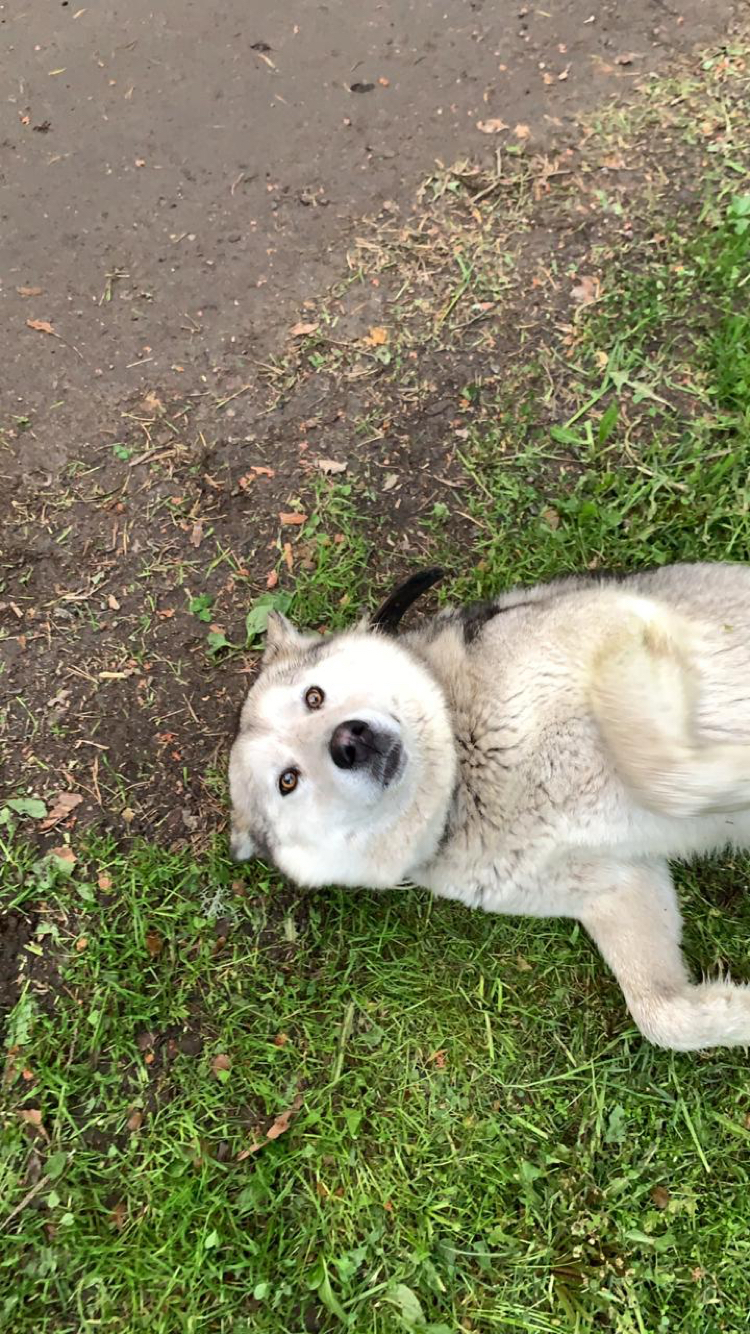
{"points": [[390, 613], [283, 639]]}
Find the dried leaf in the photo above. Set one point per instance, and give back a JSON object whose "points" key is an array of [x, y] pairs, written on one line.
{"points": [[65, 857], [196, 535], [64, 803], [154, 943], [301, 330], [521, 131], [30, 291], [281, 1124], [293, 520], [390, 481], [262, 471], [41, 326], [112, 602], [288, 556], [586, 290], [331, 466], [492, 126]]}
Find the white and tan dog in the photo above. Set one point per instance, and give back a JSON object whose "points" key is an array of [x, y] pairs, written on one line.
{"points": [[545, 753]]}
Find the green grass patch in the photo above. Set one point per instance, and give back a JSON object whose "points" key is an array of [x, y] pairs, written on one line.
{"points": [[480, 1134]]}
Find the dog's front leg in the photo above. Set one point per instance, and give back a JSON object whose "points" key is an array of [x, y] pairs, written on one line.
{"points": [[634, 918]]}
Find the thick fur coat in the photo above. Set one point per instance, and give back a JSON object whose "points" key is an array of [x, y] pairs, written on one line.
{"points": [[546, 753]]}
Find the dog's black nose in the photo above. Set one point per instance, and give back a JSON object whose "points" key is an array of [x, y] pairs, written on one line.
{"points": [[352, 744]]}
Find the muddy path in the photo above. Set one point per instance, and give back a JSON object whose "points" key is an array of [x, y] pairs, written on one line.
{"points": [[178, 178]]}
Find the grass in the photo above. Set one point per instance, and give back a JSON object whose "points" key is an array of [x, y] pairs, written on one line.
{"points": [[471, 1134]]}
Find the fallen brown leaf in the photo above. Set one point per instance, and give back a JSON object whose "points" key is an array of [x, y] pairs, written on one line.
{"points": [[64, 803], [293, 520], [112, 602], [66, 855], [262, 471], [154, 943], [280, 1125], [331, 466], [152, 403], [390, 481], [521, 131], [282, 1122], [42, 326], [586, 290], [196, 535], [29, 291], [301, 330], [33, 1117], [288, 556]]}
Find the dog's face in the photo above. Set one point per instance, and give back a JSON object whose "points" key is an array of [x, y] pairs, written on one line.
{"points": [[343, 765]]}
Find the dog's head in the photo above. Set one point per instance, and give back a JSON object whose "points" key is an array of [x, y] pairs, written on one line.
{"points": [[343, 765]]}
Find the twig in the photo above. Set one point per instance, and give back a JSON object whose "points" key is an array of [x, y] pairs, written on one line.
{"points": [[28, 1197]]}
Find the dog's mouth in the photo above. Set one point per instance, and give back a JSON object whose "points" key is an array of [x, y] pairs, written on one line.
{"points": [[392, 763]]}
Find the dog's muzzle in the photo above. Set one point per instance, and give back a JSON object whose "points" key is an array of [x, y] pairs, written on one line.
{"points": [[356, 745]]}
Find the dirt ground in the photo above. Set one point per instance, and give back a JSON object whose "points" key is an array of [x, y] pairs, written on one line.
{"points": [[179, 181], [179, 177]]}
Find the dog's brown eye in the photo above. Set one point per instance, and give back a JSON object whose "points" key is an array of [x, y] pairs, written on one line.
{"points": [[314, 697], [288, 781]]}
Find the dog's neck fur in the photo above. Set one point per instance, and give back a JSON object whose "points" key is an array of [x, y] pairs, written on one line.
{"points": [[442, 649]]}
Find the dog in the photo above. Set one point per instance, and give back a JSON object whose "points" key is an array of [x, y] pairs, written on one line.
{"points": [[547, 752]]}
